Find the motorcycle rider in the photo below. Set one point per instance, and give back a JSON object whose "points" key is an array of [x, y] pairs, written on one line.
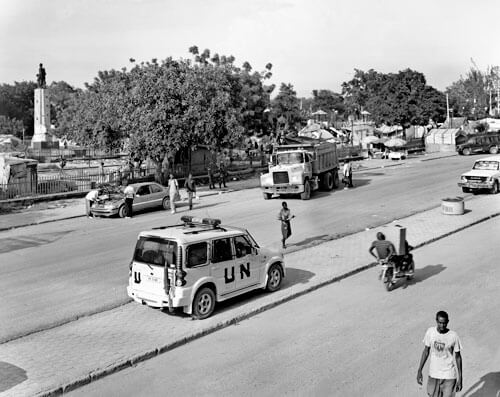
{"points": [[384, 248]]}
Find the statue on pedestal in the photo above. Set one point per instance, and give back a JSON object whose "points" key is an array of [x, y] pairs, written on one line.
{"points": [[40, 77]]}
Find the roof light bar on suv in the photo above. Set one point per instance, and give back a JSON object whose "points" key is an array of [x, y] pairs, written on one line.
{"points": [[192, 220]]}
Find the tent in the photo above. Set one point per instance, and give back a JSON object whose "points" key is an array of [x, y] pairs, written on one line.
{"points": [[316, 131], [441, 140], [389, 130]]}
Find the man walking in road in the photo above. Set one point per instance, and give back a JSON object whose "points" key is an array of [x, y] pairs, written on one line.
{"points": [[190, 185], [286, 228], [347, 174], [445, 367]]}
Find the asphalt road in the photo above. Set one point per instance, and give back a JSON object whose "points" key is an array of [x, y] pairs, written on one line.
{"points": [[56, 272], [351, 338]]}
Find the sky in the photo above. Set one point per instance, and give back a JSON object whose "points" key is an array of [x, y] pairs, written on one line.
{"points": [[312, 44]]}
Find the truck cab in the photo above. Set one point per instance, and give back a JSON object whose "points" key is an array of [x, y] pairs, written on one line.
{"points": [[300, 168]]}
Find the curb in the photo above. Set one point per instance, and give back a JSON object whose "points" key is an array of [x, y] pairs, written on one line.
{"points": [[101, 373]]}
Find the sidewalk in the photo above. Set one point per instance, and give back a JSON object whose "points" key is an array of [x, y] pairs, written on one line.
{"points": [[51, 211], [61, 359]]}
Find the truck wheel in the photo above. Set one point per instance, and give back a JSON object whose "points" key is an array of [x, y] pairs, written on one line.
{"points": [[494, 189], [123, 211], [336, 180], [465, 190], [494, 149], [466, 151], [267, 196], [306, 195], [327, 181], [204, 303]]}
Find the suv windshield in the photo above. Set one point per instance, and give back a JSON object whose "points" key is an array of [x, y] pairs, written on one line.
{"points": [[486, 165], [155, 251]]}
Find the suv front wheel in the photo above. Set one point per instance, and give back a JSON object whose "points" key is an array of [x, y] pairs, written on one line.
{"points": [[494, 188], [274, 278]]}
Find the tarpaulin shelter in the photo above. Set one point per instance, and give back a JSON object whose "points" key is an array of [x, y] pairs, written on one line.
{"points": [[441, 140], [9, 144], [389, 129], [316, 131], [17, 176]]}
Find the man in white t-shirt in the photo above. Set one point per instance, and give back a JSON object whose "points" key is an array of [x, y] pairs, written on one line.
{"points": [[129, 194], [445, 366], [90, 199]]}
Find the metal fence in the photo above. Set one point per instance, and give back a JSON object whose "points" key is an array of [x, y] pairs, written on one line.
{"points": [[72, 180]]}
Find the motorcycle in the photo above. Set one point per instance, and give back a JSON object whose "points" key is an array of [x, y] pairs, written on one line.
{"points": [[395, 268]]}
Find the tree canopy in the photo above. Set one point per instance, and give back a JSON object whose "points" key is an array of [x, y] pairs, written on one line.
{"points": [[396, 98]]}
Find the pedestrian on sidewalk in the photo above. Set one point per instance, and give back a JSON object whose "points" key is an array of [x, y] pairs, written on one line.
{"points": [[90, 199], [190, 186], [129, 193], [347, 174], [285, 216], [210, 170], [445, 367], [222, 174], [173, 191]]}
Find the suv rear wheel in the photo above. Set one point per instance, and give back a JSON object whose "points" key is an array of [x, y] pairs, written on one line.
{"points": [[494, 149], [204, 303]]}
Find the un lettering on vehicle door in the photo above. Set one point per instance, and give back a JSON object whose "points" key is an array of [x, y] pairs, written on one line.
{"points": [[247, 264]]}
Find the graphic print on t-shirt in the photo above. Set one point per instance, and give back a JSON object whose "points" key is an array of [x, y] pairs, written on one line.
{"points": [[439, 348]]}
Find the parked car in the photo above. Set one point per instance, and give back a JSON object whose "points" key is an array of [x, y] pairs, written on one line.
{"points": [[147, 195], [481, 143], [485, 174], [195, 265], [397, 155]]}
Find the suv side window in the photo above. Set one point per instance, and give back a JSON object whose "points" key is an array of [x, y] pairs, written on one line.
{"points": [[196, 254], [221, 250], [242, 246]]}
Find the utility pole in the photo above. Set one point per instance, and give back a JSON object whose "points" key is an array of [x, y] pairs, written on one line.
{"points": [[447, 108]]}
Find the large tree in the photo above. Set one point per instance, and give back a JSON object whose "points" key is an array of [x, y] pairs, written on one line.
{"points": [[469, 96], [16, 102], [286, 106], [396, 98]]}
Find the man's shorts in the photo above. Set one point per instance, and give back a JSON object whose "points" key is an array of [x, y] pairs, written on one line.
{"points": [[441, 387]]}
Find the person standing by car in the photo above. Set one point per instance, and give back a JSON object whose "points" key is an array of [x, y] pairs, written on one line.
{"points": [[90, 199], [129, 193], [445, 367], [190, 185], [173, 191], [285, 216]]}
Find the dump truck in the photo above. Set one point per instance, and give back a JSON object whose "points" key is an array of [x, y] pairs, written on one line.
{"points": [[301, 166]]}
